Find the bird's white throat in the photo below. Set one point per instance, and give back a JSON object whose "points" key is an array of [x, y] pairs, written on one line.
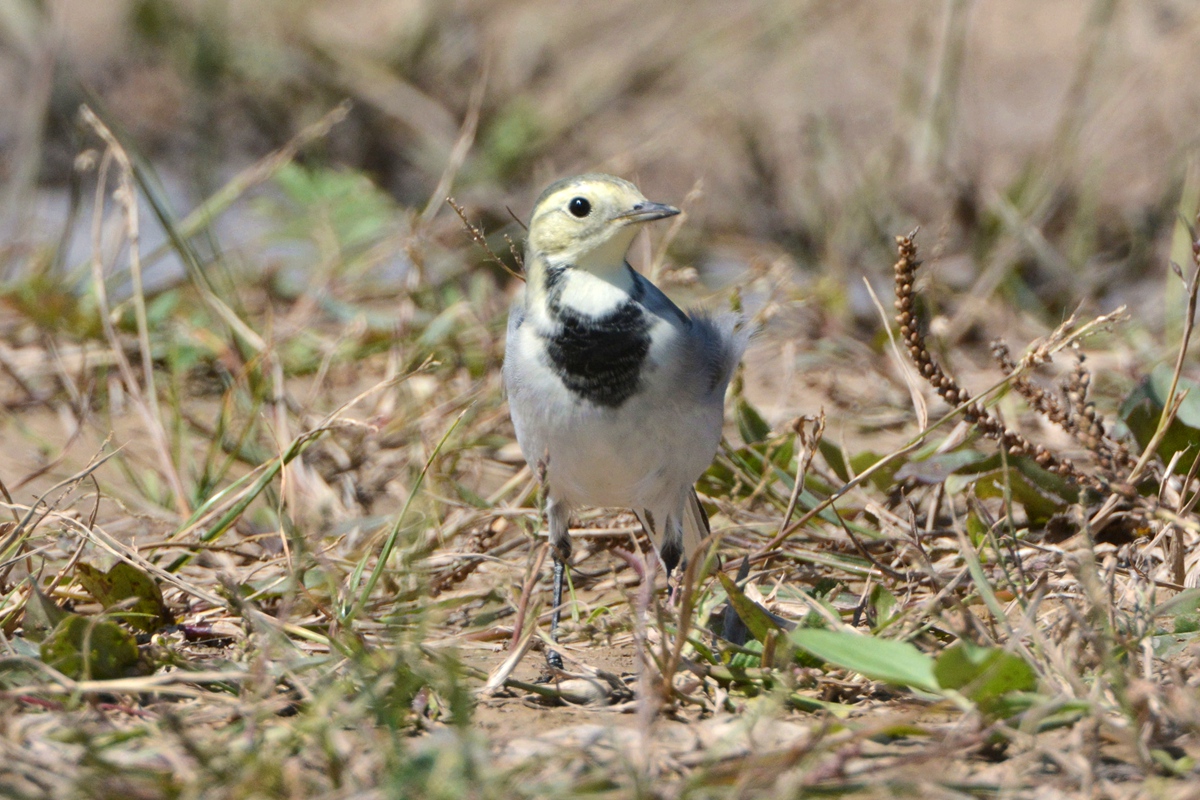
{"points": [[595, 295]]}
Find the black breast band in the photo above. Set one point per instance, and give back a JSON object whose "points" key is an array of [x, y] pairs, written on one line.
{"points": [[600, 358]]}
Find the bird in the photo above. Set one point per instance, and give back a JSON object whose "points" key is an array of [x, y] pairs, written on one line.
{"points": [[616, 394]]}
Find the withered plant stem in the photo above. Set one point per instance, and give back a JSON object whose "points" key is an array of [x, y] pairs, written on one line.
{"points": [[948, 388], [1077, 416], [478, 238]]}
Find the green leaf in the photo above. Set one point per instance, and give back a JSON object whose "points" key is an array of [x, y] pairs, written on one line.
{"points": [[977, 531], [87, 647], [510, 141], [985, 675], [1143, 409], [753, 615], [1041, 493], [1038, 508], [1185, 602], [885, 478], [747, 660], [42, 615], [835, 458], [784, 454], [883, 605], [1169, 645], [752, 427], [316, 202], [141, 601], [161, 308], [1181, 767], [900, 731], [938, 468], [804, 702], [1059, 489], [718, 480], [886, 660]]}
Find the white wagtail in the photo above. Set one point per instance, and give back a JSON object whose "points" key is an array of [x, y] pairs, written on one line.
{"points": [[617, 396]]}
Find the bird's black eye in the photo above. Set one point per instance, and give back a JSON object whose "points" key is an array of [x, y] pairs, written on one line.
{"points": [[580, 207]]}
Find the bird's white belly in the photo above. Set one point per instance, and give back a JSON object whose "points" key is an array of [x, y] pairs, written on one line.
{"points": [[635, 456], [642, 453]]}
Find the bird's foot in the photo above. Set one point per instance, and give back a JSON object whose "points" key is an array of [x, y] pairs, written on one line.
{"points": [[674, 590]]}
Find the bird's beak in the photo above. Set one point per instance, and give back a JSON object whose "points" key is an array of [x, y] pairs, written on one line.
{"points": [[646, 211]]}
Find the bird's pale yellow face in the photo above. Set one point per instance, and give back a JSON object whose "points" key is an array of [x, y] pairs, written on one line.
{"points": [[589, 221]]}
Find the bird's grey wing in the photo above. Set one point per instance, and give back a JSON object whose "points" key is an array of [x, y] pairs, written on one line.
{"points": [[695, 523], [717, 343], [516, 317], [657, 303]]}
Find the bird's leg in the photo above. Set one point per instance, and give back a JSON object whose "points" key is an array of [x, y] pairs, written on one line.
{"points": [[560, 541], [552, 656], [670, 554]]}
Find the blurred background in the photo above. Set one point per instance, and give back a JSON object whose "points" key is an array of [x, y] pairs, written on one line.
{"points": [[1043, 146]]}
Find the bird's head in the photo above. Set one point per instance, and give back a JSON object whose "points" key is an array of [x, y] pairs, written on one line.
{"points": [[589, 221]]}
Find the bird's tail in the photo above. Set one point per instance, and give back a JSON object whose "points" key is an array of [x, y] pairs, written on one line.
{"points": [[695, 523], [677, 541]]}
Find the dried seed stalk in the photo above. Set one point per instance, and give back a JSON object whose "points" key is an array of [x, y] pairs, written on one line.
{"points": [[1077, 415], [946, 387]]}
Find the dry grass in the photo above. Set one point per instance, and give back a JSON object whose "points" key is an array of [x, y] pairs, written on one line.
{"points": [[298, 445]]}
